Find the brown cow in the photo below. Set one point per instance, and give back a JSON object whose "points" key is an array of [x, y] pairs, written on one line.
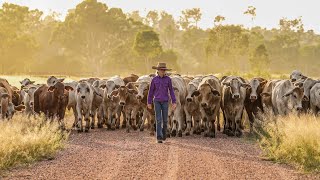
{"points": [[130, 104], [4, 102], [253, 99], [209, 97], [131, 78], [52, 101]]}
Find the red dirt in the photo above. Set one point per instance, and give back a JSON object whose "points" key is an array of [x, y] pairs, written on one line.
{"points": [[102, 154]]}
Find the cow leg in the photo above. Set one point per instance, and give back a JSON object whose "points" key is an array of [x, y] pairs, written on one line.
{"points": [[196, 124], [134, 119], [128, 120], [117, 119], [87, 119], [251, 119], [93, 115], [189, 121], [144, 117], [75, 114], [124, 122], [237, 121], [152, 122], [78, 126], [180, 121], [100, 117], [173, 126]]}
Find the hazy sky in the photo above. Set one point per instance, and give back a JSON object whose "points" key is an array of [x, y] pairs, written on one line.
{"points": [[268, 11]]}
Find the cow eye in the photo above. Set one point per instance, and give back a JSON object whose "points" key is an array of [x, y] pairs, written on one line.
{"points": [[294, 96], [78, 90], [54, 82], [88, 90]]}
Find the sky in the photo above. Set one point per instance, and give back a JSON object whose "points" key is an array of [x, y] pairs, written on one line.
{"points": [[268, 11]]}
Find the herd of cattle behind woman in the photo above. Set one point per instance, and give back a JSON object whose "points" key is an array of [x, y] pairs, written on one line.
{"points": [[192, 107]]}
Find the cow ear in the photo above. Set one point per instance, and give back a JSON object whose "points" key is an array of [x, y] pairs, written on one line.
{"points": [[68, 88], [265, 94], [117, 86], [245, 85], [226, 83], [20, 82], [288, 93], [175, 89], [195, 93], [215, 92], [304, 77], [4, 95], [61, 80], [290, 76], [32, 82], [51, 88], [114, 92], [263, 83]]}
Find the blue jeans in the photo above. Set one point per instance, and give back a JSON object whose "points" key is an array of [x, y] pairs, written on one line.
{"points": [[161, 110]]}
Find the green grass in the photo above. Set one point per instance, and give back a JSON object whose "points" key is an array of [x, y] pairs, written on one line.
{"points": [[26, 140], [293, 140]]}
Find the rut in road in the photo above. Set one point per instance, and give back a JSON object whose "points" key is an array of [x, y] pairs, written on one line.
{"points": [[102, 154]]}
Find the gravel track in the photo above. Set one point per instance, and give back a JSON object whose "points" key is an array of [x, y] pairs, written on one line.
{"points": [[102, 154]]}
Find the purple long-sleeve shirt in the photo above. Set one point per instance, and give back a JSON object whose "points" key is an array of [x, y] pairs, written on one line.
{"points": [[159, 89]]}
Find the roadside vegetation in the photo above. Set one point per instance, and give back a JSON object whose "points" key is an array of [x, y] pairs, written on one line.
{"points": [[293, 140], [26, 140]]}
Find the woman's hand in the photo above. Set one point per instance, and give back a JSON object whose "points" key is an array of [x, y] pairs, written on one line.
{"points": [[174, 105], [149, 106]]}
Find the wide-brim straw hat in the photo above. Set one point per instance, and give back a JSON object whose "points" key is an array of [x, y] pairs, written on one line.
{"points": [[161, 66]]}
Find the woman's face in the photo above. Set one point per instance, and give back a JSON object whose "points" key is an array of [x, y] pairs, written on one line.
{"points": [[161, 72]]}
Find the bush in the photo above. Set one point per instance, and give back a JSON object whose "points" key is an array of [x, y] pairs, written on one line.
{"points": [[26, 140], [293, 140]]}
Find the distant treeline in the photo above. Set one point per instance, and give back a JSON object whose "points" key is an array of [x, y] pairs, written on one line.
{"points": [[97, 40]]}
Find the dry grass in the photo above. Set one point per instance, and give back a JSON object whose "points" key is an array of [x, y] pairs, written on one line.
{"points": [[293, 140], [26, 140]]}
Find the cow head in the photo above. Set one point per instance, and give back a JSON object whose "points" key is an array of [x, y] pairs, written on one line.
{"points": [[123, 93], [58, 90], [83, 90], [206, 94], [143, 88], [296, 75], [108, 87], [307, 84], [191, 88], [30, 93], [255, 86], [52, 80], [295, 96], [235, 85], [26, 82]]}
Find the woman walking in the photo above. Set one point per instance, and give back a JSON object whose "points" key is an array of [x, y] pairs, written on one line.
{"points": [[159, 90]]}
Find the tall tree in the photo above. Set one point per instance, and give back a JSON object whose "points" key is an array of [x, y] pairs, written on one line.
{"points": [[147, 45], [251, 11], [190, 18], [152, 18], [218, 19], [17, 44], [259, 59], [93, 32]]}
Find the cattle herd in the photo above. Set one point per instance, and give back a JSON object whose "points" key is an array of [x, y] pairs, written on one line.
{"points": [[200, 99]]}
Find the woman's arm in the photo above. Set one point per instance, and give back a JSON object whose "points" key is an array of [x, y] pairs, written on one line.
{"points": [[151, 92]]}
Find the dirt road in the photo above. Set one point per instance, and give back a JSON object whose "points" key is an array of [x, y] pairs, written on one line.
{"points": [[103, 154]]}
